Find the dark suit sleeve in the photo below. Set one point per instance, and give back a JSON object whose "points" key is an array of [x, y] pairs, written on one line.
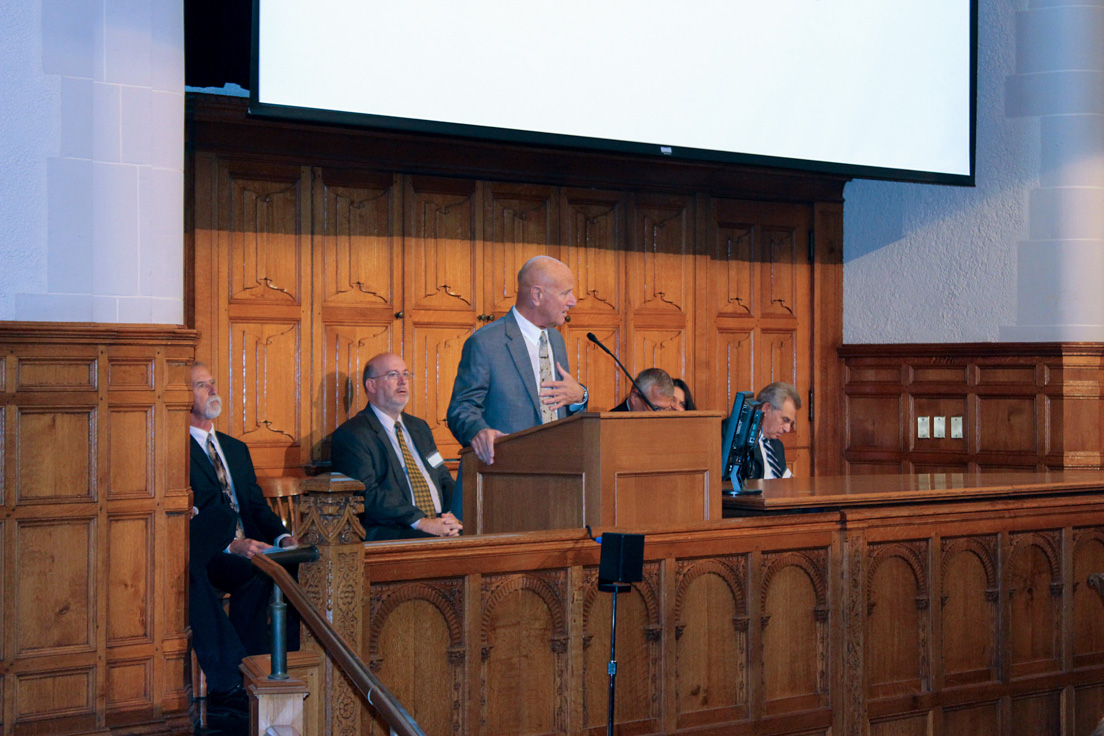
{"points": [[469, 391], [359, 453]]}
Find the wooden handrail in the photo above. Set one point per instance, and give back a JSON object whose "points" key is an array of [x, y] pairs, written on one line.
{"points": [[370, 688]]}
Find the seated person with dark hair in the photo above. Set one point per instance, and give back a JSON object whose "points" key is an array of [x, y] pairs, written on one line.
{"points": [[406, 483], [780, 402], [657, 385], [683, 400]]}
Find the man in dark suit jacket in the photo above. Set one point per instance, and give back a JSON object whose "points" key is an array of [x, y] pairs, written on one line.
{"points": [[656, 383], [779, 403], [369, 448], [228, 527], [497, 389]]}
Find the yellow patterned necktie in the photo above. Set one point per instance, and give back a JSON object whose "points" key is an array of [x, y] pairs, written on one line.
{"points": [[423, 497], [548, 414], [223, 479]]}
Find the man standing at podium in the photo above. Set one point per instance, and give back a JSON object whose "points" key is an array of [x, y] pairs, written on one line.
{"points": [[407, 488], [514, 373], [780, 402]]}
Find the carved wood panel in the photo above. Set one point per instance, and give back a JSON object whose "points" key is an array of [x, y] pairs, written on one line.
{"points": [[1035, 591], [794, 607], [441, 249], [969, 609], [898, 596], [264, 253], [520, 221], [1088, 606]]}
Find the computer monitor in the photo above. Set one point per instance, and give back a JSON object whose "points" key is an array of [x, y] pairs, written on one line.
{"points": [[741, 434]]}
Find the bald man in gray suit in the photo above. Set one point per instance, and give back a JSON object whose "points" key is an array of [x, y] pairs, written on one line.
{"points": [[498, 388]]}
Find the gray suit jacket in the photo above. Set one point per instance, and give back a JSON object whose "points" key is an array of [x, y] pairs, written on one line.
{"points": [[495, 386]]}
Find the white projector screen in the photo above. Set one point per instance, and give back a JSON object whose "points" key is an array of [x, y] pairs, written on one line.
{"points": [[874, 88]]}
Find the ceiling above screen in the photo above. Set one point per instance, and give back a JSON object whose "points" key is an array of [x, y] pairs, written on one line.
{"points": [[865, 88]]}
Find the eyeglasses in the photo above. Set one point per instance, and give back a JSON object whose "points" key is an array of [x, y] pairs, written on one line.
{"points": [[394, 375]]}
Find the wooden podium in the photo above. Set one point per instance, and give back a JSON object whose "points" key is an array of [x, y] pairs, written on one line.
{"points": [[610, 469]]}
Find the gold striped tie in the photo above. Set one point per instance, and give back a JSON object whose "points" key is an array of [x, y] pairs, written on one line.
{"points": [[423, 498]]}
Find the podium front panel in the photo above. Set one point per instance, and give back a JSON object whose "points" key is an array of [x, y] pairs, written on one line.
{"points": [[518, 502]]}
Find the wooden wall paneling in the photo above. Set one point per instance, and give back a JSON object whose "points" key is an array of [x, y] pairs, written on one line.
{"points": [[760, 303], [1088, 708], [794, 607], [1088, 607], [968, 611], [90, 451], [712, 640], [524, 653], [660, 293], [357, 264], [519, 221], [444, 279], [417, 641], [592, 227], [1035, 595], [898, 613], [640, 626]]}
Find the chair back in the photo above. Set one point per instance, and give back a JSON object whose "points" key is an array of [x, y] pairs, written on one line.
{"points": [[280, 492]]}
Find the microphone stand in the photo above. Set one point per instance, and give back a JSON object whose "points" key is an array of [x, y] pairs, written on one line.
{"points": [[641, 394]]}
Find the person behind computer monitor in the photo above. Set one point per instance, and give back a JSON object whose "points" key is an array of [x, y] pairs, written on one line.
{"points": [[779, 404]]}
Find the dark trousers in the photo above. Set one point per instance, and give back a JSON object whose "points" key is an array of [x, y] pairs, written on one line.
{"points": [[220, 639]]}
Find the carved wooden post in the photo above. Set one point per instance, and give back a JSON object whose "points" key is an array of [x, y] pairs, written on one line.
{"points": [[329, 517]]}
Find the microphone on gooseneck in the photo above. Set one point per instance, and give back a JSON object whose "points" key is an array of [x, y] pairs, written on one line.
{"points": [[596, 341]]}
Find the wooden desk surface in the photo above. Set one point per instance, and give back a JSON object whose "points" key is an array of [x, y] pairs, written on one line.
{"points": [[841, 492]]}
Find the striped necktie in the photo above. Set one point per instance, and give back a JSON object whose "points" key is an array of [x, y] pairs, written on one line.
{"points": [[775, 466], [548, 414], [224, 481], [423, 497]]}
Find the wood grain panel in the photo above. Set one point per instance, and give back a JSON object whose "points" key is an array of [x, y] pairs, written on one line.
{"points": [[874, 422], [519, 222], [664, 349], [442, 257], [1088, 708], [524, 646], [132, 464], [794, 593], [434, 353], [414, 642], [345, 350], [264, 392], [70, 477], [982, 720], [65, 692], [594, 369], [736, 359], [909, 726], [897, 610], [173, 571], [660, 273], [1036, 714], [1034, 602], [969, 610], [54, 587], [1088, 606], [1006, 425], [129, 683], [711, 634], [639, 624], [358, 240], [129, 589], [265, 247], [593, 238], [134, 374], [56, 374]]}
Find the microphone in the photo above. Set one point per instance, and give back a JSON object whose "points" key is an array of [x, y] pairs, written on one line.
{"points": [[596, 341]]}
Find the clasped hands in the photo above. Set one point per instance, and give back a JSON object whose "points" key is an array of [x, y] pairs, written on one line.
{"points": [[565, 392], [247, 548]]}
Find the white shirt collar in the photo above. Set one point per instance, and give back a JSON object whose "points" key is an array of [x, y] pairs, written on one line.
{"points": [[385, 419], [201, 435], [531, 332]]}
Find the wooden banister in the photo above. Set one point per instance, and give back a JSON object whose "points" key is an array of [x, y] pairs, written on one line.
{"points": [[365, 682]]}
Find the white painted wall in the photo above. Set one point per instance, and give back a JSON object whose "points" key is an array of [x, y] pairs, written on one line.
{"points": [[1021, 257], [91, 169], [937, 264]]}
